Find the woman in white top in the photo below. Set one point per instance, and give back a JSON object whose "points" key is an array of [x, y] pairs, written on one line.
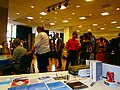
{"points": [[42, 48]]}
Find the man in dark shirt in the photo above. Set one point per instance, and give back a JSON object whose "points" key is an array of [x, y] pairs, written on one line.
{"points": [[59, 50], [116, 47], [86, 49]]}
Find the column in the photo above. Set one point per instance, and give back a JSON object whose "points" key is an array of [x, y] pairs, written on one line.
{"points": [[67, 33], [3, 19]]}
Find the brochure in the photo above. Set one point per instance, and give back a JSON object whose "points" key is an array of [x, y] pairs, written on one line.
{"points": [[58, 86], [19, 88], [20, 81], [38, 86], [77, 85]]}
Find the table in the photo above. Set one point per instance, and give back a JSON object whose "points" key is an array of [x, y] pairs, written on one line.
{"points": [[97, 86], [4, 60]]}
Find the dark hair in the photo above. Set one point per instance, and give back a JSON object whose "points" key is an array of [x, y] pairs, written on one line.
{"points": [[101, 38], [81, 37], [40, 28], [85, 35], [90, 33], [74, 33], [3, 43]]}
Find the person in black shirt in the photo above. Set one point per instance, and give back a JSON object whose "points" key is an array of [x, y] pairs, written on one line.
{"points": [[86, 49], [116, 47]]}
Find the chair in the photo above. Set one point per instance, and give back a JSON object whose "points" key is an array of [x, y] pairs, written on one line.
{"points": [[25, 62]]}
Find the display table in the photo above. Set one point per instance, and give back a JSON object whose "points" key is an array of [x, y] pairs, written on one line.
{"points": [[35, 78]]}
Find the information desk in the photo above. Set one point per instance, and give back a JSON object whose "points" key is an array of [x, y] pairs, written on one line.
{"points": [[39, 77]]}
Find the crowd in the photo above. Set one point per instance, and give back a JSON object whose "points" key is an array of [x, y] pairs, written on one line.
{"points": [[87, 47]]}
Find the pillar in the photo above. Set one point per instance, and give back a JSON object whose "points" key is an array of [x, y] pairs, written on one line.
{"points": [[67, 33], [3, 19]]}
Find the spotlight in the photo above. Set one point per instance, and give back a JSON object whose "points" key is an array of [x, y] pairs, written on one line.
{"points": [[66, 4], [53, 8], [48, 10], [59, 5]]}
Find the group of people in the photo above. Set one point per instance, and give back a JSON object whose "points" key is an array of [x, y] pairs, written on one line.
{"points": [[87, 48], [90, 48]]}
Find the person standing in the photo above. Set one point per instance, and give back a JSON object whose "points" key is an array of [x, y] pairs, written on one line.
{"points": [[116, 48], [93, 41], [42, 48], [101, 48], [59, 50], [73, 46], [86, 49]]}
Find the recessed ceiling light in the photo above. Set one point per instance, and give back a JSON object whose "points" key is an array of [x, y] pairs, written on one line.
{"points": [[32, 6], [62, 7], [78, 6], [102, 28], [82, 18], [52, 23], [70, 18], [89, 29], [43, 13], [80, 26], [114, 22], [78, 30], [8, 18], [55, 12], [30, 18], [65, 21], [94, 24], [73, 13], [104, 13], [17, 13], [118, 27], [118, 9], [55, 17], [88, 0], [40, 17], [42, 21], [90, 14]]}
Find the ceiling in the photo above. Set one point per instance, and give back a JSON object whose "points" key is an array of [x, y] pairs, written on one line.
{"points": [[91, 10]]}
